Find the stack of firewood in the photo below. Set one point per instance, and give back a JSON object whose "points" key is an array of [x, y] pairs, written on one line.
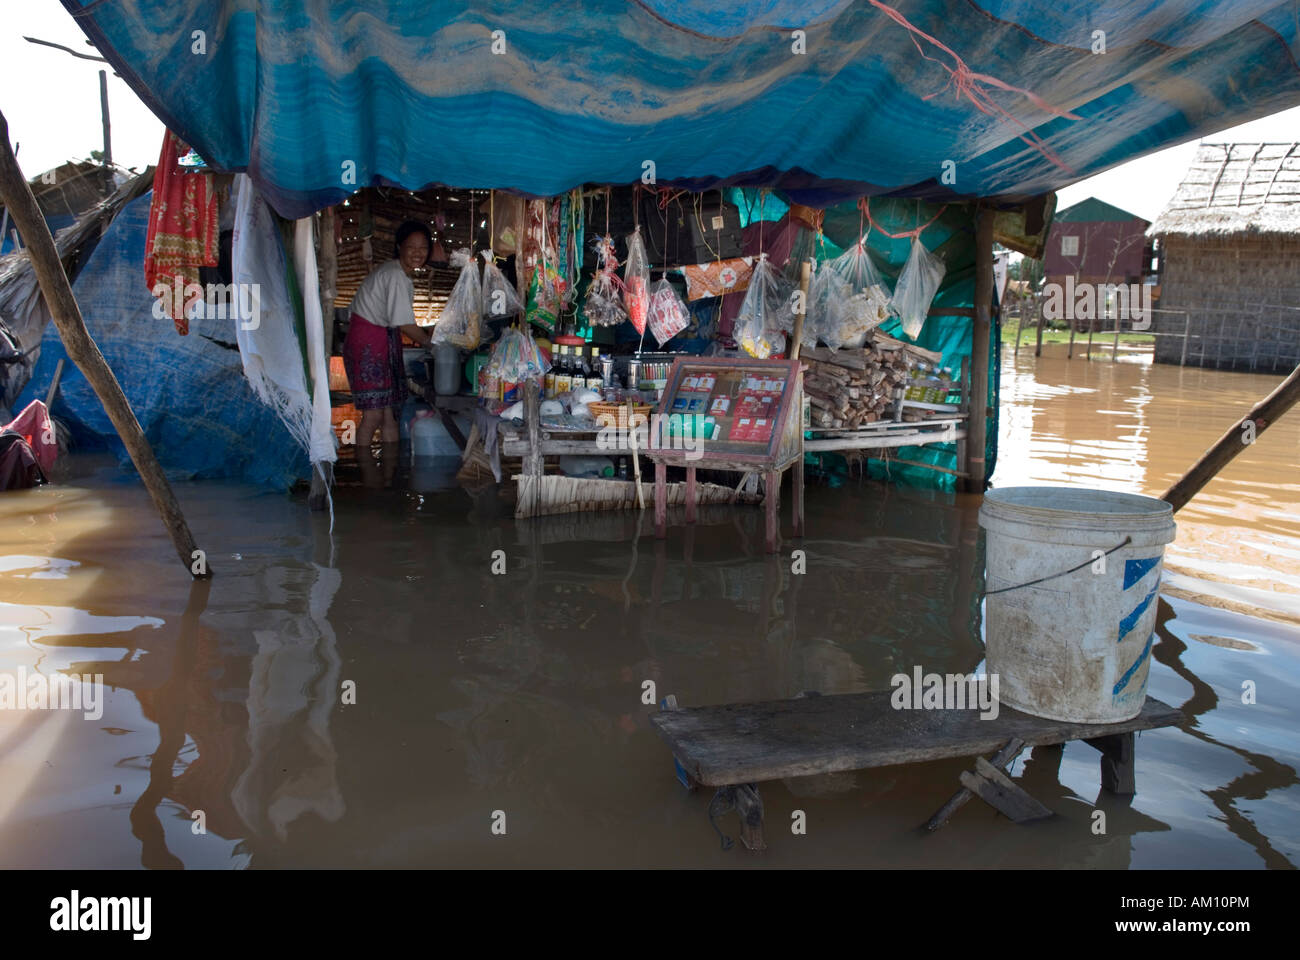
{"points": [[853, 387]]}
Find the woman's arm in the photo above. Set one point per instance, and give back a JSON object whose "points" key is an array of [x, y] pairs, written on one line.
{"points": [[419, 334]]}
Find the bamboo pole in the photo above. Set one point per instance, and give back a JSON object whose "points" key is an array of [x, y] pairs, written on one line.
{"points": [[981, 326], [1038, 323], [1234, 440], [83, 351]]}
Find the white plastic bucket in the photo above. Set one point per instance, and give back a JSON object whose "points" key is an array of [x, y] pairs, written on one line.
{"points": [[1075, 647]]}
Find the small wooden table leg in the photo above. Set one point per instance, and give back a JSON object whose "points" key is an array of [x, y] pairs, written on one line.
{"points": [[796, 494], [661, 499], [1118, 770], [771, 511], [690, 494]]}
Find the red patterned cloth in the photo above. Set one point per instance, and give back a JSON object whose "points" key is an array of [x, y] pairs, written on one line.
{"points": [[183, 229]]}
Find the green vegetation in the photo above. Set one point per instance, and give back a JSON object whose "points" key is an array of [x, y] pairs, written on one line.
{"points": [[1062, 335]]}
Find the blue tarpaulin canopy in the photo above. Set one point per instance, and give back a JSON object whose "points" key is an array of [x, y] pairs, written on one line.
{"points": [[824, 99]]}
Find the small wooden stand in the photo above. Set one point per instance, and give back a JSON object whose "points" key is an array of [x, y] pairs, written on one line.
{"points": [[769, 453]]}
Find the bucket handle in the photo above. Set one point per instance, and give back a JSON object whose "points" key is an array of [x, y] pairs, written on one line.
{"points": [[1090, 560]]}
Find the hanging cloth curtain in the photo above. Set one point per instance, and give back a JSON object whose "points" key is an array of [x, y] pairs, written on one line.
{"points": [[183, 229]]}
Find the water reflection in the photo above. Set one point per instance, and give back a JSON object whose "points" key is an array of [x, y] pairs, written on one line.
{"points": [[525, 691]]}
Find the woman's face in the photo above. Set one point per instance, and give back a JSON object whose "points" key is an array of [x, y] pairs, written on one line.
{"points": [[413, 252]]}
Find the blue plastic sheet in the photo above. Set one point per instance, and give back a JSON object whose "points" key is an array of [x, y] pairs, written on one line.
{"points": [[189, 393]]}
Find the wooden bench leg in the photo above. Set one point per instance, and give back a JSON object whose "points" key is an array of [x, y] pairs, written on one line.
{"points": [[997, 790], [771, 511], [1118, 769], [685, 779], [797, 497], [661, 499], [690, 494], [749, 807], [1010, 750]]}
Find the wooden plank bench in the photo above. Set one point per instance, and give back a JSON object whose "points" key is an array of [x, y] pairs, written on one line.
{"points": [[734, 748]]}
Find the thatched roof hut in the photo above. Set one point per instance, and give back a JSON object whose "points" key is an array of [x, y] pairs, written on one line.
{"points": [[1230, 240]]}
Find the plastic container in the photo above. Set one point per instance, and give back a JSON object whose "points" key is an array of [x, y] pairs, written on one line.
{"points": [[1075, 647], [598, 467], [446, 369], [429, 438]]}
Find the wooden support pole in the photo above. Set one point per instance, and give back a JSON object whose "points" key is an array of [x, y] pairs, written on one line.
{"points": [[83, 351], [1038, 322], [1235, 440], [661, 499], [977, 429], [534, 462], [690, 494], [772, 510], [1118, 769]]}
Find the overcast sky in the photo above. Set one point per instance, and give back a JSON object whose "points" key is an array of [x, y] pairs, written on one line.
{"points": [[52, 102]]}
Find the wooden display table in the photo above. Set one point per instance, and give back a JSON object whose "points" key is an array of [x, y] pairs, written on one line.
{"points": [[733, 414]]}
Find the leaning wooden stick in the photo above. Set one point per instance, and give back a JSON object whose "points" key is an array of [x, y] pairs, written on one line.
{"points": [[1235, 440], [83, 351]]}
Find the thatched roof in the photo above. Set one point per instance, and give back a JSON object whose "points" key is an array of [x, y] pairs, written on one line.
{"points": [[1235, 188]]}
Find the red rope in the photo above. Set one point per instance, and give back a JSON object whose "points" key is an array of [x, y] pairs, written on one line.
{"points": [[864, 206], [968, 84]]}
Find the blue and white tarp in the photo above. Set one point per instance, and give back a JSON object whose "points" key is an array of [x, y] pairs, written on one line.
{"points": [[189, 393], [825, 99]]}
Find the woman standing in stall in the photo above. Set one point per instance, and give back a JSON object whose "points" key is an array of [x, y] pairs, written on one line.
{"points": [[382, 311]]}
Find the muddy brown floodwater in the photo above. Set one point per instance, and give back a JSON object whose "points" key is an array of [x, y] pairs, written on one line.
{"points": [[521, 692]]}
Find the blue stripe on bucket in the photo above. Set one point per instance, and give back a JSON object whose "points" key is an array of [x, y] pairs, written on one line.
{"points": [[1135, 570], [1128, 674], [1130, 621]]}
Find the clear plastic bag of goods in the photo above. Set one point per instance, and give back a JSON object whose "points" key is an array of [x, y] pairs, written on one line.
{"points": [[667, 314], [516, 357], [917, 285], [604, 306], [461, 323], [827, 295], [767, 308], [863, 299], [636, 281], [499, 296]]}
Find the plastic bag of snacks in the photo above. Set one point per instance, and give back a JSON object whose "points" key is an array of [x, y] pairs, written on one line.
{"points": [[636, 281], [604, 304], [667, 314], [499, 296], [767, 307], [917, 285], [545, 296], [864, 304], [461, 323], [516, 357], [827, 295]]}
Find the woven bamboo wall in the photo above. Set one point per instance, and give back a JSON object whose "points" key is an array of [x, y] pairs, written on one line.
{"points": [[377, 212]]}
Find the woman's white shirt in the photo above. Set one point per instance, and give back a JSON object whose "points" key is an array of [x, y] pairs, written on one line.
{"points": [[385, 297]]}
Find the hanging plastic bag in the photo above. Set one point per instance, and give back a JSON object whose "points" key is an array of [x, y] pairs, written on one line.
{"points": [[863, 298], [603, 306], [856, 268], [667, 314], [636, 281], [516, 357], [917, 285], [499, 297], [461, 323], [545, 296], [827, 295], [768, 306]]}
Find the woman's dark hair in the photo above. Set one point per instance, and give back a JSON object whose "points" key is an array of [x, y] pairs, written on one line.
{"points": [[408, 228]]}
